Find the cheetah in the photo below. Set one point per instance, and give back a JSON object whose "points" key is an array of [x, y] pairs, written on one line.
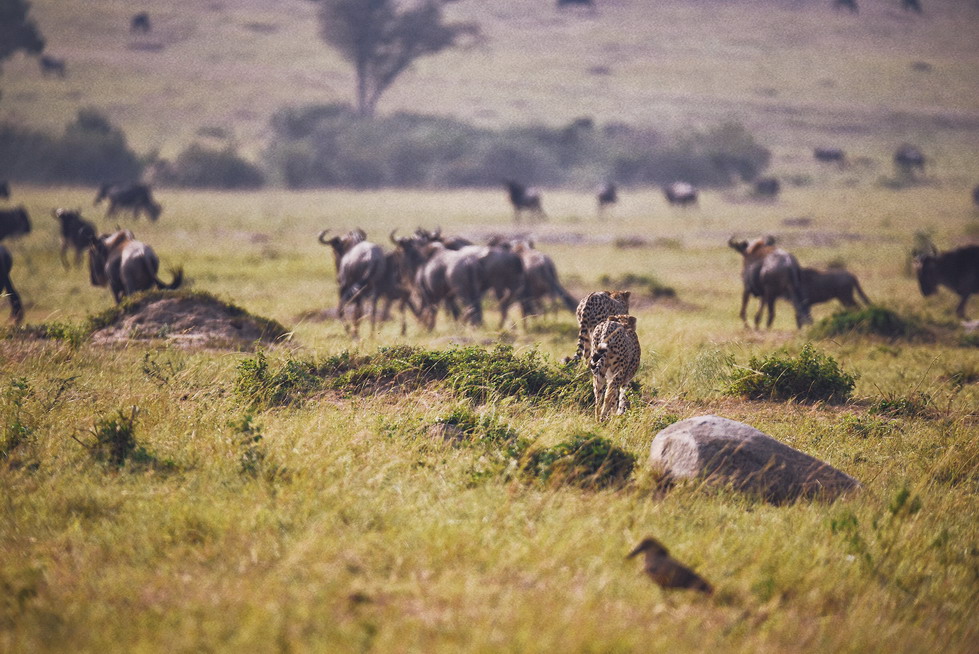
{"points": [[592, 310], [614, 362]]}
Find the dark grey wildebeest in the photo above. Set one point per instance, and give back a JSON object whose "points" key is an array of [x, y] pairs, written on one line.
{"points": [[835, 284], [829, 155], [769, 273], [541, 279], [140, 22], [908, 159], [956, 269], [524, 199], [975, 196], [16, 306], [14, 222], [52, 66], [76, 233], [608, 195], [126, 265], [135, 197], [361, 271]]}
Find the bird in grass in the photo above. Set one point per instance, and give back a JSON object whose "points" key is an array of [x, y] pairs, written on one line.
{"points": [[667, 571]]}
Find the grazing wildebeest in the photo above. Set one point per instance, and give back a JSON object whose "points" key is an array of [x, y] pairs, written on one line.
{"points": [[134, 196], [540, 278], [767, 187], [607, 196], [956, 269], [16, 306], [76, 233], [909, 158], [769, 272], [140, 23], [850, 5], [126, 265], [360, 267], [52, 66], [822, 286], [681, 193], [911, 5], [14, 222], [397, 285], [833, 155], [524, 199], [4, 190]]}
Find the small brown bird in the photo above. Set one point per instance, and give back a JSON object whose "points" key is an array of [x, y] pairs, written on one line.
{"points": [[667, 571]]}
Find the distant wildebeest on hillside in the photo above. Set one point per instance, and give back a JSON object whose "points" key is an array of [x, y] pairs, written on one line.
{"points": [[769, 272], [607, 196], [850, 5], [14, 222], [576, 3], [76, 233], [681, 193], [135, 197], [956, 269], [975, 196], [911, 5], [52, 66], [524, 199], [767, 187], [831, 155], [140, 23], [822, 286], [361, 272], [4, 190], [909, 158], [126, 266], [16, 306]]}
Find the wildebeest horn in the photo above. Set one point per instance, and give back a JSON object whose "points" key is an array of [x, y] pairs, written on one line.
{"points": [[391, 236], [322, 234]]}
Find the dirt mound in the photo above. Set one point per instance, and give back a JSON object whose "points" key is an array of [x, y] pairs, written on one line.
{"points": [[187, 320]]}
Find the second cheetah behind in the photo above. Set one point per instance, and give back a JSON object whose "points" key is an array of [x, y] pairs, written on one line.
{"points": [[592, 310], [614, 362]]}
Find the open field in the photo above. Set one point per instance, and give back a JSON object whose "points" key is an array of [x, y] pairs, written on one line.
{"points": [[348, 527]]}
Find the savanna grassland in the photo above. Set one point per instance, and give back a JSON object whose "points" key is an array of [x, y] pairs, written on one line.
{"points": [[337, 521]]}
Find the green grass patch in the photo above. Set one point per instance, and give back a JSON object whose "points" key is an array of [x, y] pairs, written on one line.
{"points": [[809, 377], [584, 460], [872, 321], [912, 405]]}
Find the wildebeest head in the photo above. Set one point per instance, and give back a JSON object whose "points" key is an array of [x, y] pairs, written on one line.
{"points": [[98, 252], [342, 244]]}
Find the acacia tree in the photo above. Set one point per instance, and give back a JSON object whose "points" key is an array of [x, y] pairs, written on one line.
{"points": [[382, 38], [17, 32]]}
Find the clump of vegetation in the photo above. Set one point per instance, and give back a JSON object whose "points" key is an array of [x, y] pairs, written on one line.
{"points": [[17, 430], [866, 426], [871, 321], [485, 430], [663, 420], [914, 405], [252, 459], [645, 284], [71, 334], [200, 166], [258, 384], [810, 377], [113, 440], [585, 460]]}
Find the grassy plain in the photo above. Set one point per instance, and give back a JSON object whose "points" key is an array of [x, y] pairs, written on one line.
{"points": [[359, 532]]}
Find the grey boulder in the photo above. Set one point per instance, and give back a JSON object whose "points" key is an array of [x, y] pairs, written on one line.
{"points": [[725, 451]]}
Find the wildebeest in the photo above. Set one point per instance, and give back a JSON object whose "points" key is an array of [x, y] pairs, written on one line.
{"points": [[540, 278], [524, 199], [822, 286], [769, 273], [76, 233], [134, 196], [126, 265], [681, 193], [607, 196], [909, 158], [956, 269], [4, 190], [52, 66], [975, 196], [140, 22], [833, 155], [360, 267], [575, 3], [451, 242], [767, 187], [911, 5], [850, 5], [16, 306], [14, 222]]}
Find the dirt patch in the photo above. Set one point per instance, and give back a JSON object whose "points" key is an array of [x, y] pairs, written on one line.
{"points": [[191, 321]]}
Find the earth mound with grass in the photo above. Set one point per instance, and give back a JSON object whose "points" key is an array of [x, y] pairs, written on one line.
{"points": [[186, 319]]}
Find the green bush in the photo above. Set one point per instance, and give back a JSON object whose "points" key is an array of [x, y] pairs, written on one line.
{"points": [[199, 166], [871, 321], [810, 377], [114, 440], [585, 460], [257, 384]]}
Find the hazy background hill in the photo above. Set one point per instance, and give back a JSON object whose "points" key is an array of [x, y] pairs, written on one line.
{"points": [[795, 74]]}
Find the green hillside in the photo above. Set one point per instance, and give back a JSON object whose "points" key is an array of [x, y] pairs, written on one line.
{"points": [[797, 74]]}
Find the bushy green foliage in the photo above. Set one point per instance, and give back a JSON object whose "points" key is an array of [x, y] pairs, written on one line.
{"points": [[332, 145], [258, 384], [199, 166], [645, 284], [584, 460], [113, 440], [485, 430], [871, 321], [866, 426], [915, 404], [90, 151], [71, 333], [810, 377], [16, 428]]}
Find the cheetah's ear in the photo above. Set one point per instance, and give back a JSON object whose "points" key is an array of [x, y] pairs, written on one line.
{"points": [[631, 322]]}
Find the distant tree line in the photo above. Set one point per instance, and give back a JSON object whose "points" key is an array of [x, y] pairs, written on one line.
{"points": [[335, 146]]}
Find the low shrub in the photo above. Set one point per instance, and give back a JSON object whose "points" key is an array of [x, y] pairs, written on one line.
{"points": [[871, 321], [810, 377], [914, 405], [485, 431], [257, 384], [866, 426], [585, 460], [113, 440]]}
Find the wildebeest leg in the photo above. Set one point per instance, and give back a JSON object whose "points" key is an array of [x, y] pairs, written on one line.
{"points": [[373, 313], [960, 310], [761, 308], [744, 308], [771, 313], [846, 299], [356, 318], [64, 254]]}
